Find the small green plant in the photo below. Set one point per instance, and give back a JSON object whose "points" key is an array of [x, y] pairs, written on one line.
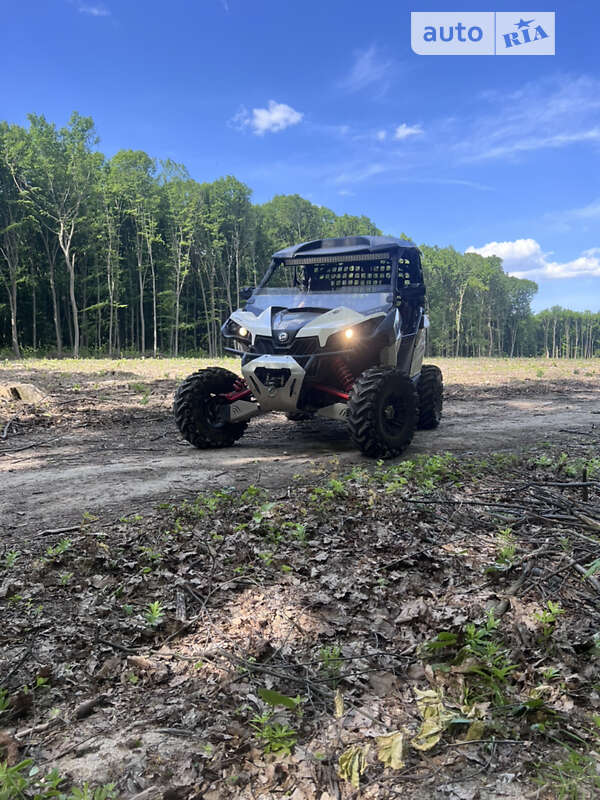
{"points": [[132, 519], [275, 737], [574, 777], [154, 556], [486, 657], [65, 578], [252, 493], [507, 546], [263, 511], [549, 617], [54, 553], [24, 781], [298, 531], [331, 662], [441, 641], [539, 373], [4, 704], [334, 488], [10, 559], [154, 613], [550, 673], [542, 461]]}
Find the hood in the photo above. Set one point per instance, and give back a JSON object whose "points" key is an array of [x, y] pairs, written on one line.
{"points": [[290, 320]]}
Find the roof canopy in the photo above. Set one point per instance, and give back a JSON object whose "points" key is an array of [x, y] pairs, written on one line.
{"points": [[349, 244]]}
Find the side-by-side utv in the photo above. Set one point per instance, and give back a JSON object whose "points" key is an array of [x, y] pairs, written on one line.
{"points": [[337, 329]]}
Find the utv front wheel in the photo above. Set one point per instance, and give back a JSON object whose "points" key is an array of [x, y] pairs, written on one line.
{"points": [[198, 405], [382, 412], [431, 390]]}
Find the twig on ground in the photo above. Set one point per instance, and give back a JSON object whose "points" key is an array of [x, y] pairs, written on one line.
{"points": [[7, 427], [583, 571], [52, 531], [18, 663]]}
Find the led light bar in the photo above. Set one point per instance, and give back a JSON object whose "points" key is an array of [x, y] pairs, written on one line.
{"points": [[291, 262]]}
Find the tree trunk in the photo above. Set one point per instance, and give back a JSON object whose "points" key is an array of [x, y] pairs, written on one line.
{"points": [[51, 253], [74, 309], [33, 310], [12, 301], [142, 320], [55, 312], [64, 239], [461, 298]]}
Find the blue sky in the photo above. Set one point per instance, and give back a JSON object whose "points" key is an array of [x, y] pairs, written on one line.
{"points": [[327, 99]]}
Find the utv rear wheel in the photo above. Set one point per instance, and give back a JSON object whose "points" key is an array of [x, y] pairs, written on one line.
{"points": [[431, 390], [197, 405], [382, 412]]}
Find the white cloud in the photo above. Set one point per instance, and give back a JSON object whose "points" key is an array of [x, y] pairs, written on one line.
{"points": [[381, 135], [524, 258], [276, 117], [95, 10], [360, 173], [346, 193], [555, 112], [591, 211], [369, 68], [404, 131]]}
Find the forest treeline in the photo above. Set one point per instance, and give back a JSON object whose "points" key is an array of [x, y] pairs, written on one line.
{"points": [[130, 255]]}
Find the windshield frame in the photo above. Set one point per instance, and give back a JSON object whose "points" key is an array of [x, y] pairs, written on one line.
{"points": [[297, 286]]}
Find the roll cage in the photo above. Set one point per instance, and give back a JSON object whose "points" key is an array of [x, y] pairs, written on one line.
{"points": [[358, 262]]}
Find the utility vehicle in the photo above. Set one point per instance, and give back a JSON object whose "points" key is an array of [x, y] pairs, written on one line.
{"points": [[337, 329]]}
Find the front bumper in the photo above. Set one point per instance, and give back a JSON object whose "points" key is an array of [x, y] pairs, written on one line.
{"points": [[275, 381]]}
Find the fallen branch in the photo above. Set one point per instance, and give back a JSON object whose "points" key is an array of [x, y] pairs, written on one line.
{"points": [[7, 427], [44, 726], [52, 531], [584, 572]]}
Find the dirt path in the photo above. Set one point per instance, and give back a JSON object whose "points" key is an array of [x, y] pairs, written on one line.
{"points": [[251, 595], [125, 461]]}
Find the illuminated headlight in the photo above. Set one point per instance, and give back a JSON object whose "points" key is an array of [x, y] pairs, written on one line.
{"points": [[356, 336], [237, 330]]}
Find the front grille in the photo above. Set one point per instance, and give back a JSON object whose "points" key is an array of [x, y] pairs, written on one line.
{"points": [[303, 346]]}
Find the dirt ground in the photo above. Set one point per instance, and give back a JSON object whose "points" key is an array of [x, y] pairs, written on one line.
{"points": [[103, 436], [286, 618]]}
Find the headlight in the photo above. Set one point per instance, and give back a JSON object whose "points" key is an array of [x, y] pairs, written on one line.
{"points": [[239, 331], [356, 336], [236, 330]]}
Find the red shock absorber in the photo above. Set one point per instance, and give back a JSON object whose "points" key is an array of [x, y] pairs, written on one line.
{"points": [[342, 373], [240, 391]]}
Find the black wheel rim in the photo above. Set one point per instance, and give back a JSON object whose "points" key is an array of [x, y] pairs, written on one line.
{"points": [[392, 415], [212, 411]]}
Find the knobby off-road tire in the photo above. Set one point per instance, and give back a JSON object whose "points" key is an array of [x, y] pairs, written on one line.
{"points": [[382, 412], [431, 391], [196, 408]]}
